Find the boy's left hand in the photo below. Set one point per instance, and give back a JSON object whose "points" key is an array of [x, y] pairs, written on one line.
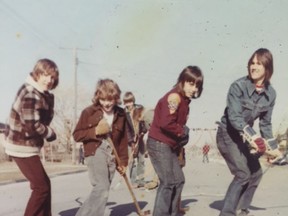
{"points": [[121, 170]]}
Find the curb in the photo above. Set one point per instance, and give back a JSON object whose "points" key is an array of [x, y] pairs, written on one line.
{"points": [[50, 176]]}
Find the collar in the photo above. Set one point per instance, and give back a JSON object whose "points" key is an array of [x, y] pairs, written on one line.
{"points": [[252, 88], [30, 81]]}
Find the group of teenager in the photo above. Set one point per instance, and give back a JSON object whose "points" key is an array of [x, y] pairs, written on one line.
{"points": [[103, 127]]}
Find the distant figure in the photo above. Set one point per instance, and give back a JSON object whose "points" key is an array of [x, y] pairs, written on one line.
{"points": [[30, 117], [81, 155], [135, 132], [205, 150]]}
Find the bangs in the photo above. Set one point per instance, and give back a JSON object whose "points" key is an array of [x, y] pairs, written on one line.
{"points": [[103, 95], [107, 90], [193, 78]]}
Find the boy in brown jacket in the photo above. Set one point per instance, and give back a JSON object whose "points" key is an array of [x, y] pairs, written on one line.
{"points": [[97, 122]]}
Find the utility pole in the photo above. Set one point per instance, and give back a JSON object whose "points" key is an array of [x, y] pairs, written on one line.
{"points": [[74, 122], [75, 103]]}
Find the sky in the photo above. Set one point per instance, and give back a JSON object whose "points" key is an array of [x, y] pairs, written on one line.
{"points": [[143, 45]]}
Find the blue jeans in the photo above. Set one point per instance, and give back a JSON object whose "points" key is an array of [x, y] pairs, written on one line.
{"points": [[101, 170], [245, 168], [137, 165], [171, 176]]}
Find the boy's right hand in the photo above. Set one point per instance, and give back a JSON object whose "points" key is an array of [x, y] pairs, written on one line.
{"points": [[102, 128]]}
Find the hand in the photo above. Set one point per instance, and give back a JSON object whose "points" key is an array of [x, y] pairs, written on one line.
{"points": [[135, 140], [52, 137], [185, 138], [121, 170], [274, 155], [261, 147], [102, 127]]}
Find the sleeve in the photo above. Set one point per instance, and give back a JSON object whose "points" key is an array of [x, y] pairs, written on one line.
{"points": [[169, 115], [234, 107], [265, 124], [84, 131]]}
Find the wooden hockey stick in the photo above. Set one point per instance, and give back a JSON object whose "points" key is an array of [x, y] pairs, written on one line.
{"points": [[139, 211]]}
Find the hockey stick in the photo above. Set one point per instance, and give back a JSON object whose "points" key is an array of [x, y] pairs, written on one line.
{"points": [[139, 211]]}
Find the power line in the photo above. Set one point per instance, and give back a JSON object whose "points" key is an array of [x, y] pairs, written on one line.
{"points": [[20, 19]]}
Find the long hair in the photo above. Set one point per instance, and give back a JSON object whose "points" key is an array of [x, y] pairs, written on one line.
{"points": [[264, 56], [190, 74], [107, 89]]}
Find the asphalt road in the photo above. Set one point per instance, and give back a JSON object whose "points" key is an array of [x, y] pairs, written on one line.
{"points": [[203, 192]]}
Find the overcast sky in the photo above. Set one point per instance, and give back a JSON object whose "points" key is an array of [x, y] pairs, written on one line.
{"points": [[143, 45]]}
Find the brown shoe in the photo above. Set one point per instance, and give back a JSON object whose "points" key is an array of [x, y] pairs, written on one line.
{"points": [[183, 210]]}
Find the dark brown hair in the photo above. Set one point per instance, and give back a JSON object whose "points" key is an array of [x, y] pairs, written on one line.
{"points": [[190, 74], [264, 56]]}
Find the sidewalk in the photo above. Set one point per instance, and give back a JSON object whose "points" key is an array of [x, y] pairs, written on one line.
{"points": [[10, 173]]}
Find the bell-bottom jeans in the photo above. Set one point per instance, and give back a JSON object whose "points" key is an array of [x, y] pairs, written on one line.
{"points": [[171, 176], [101, 170], [244, 166]]}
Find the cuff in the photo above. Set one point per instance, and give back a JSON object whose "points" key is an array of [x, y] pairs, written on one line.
{"points": [[272, 144], [249, 133]]}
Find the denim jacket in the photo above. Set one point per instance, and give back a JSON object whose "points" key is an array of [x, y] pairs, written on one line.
{"points": [[245, 105]]}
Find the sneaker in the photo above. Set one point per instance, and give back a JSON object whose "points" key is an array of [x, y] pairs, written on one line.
{"points": [[151, 185], [244, 212], [134, 185], [183, 210]]}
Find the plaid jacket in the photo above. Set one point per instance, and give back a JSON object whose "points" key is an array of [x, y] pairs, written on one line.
{"points": [[30, 116]]}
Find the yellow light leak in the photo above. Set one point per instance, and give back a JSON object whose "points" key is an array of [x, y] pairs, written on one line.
{"points": [[139, 29], [18, 35]]}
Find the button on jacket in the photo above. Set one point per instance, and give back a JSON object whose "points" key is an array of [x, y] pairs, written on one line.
{"points": [[245, 105]]}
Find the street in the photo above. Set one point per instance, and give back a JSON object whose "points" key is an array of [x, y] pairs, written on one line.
{"points": [[204, 190]]}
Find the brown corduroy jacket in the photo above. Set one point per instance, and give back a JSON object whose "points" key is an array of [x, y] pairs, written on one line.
{"points": [[85, 131]]}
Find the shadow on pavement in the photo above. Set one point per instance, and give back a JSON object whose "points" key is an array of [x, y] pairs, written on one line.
{"points": [[126, 209], [69, 212], [72, 212], [256, 208], [218, 204], [185, 202]]}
